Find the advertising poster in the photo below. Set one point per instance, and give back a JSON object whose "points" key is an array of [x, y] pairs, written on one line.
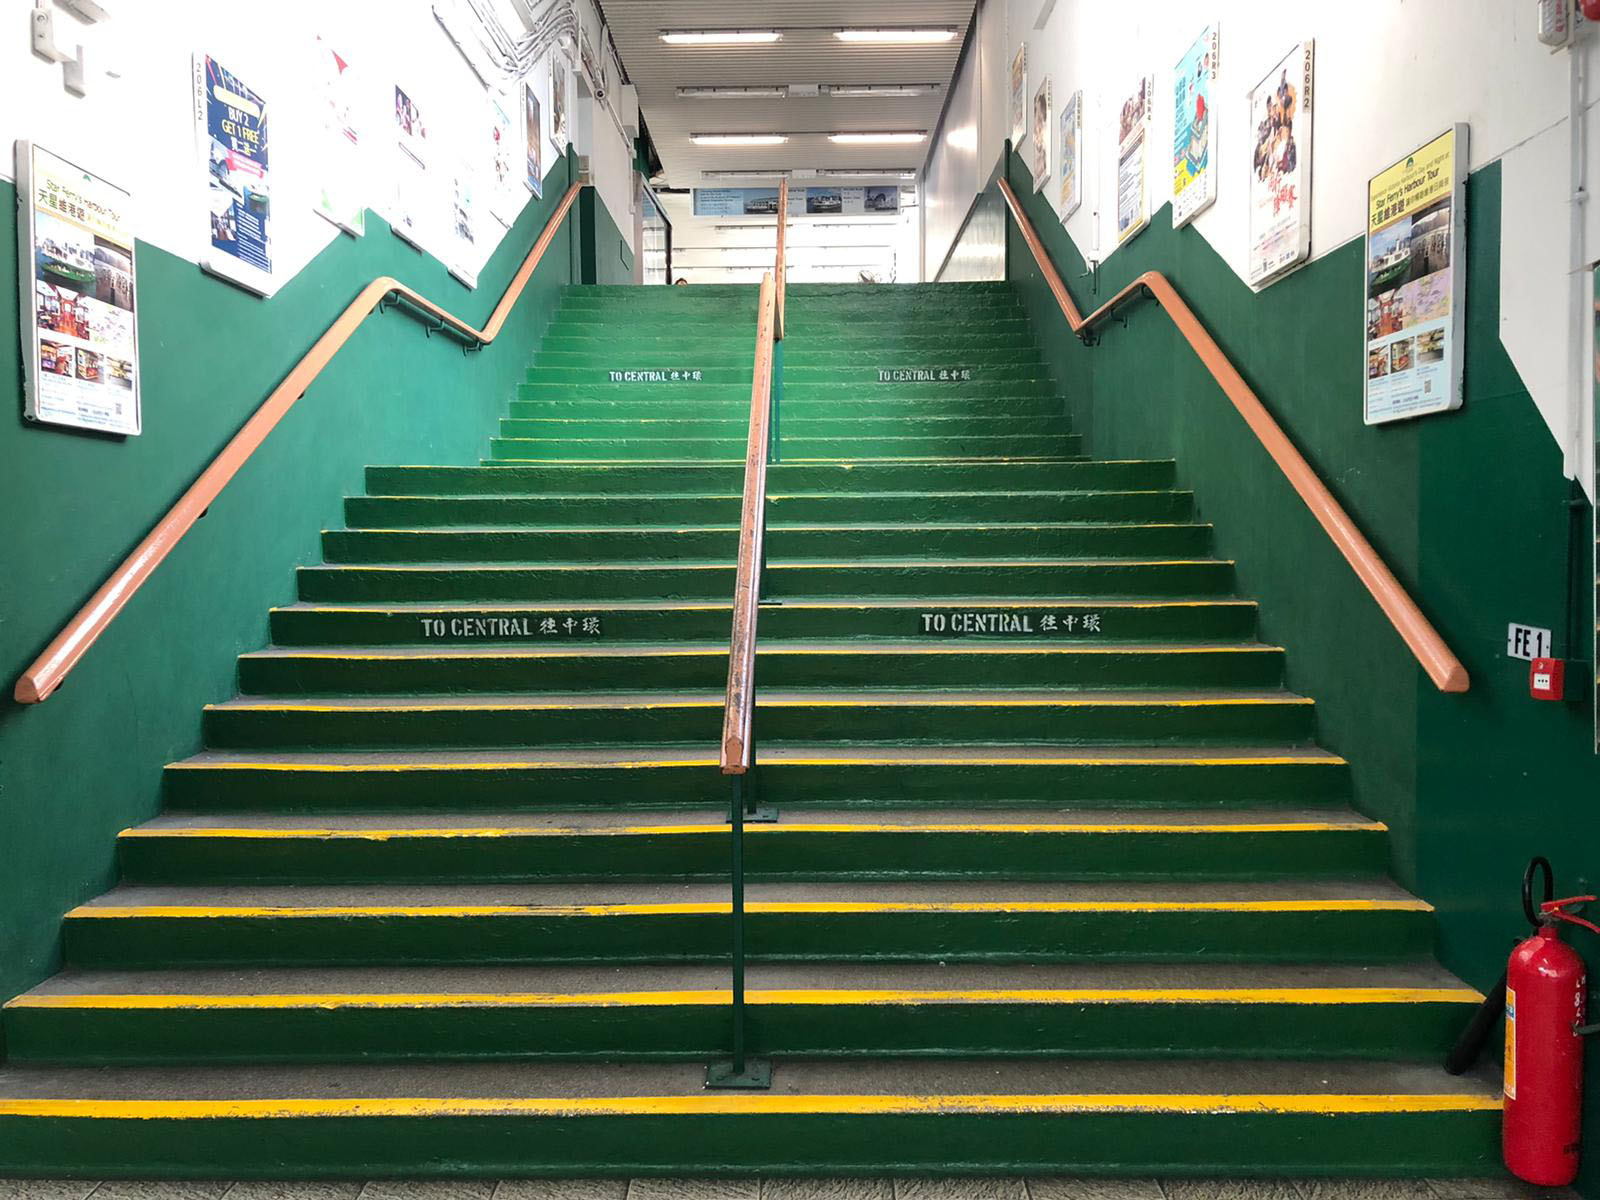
{"points": [[558, 102], [1194, 182], [231, 125], [1019, 98], [1133, 126], [463, 232], [533, 137], [1068, 157], [505, 179], [80, 335], [1280, 171], [1042, 124], [339, 197], [870, 201], [1416, 282], [408, 204]]}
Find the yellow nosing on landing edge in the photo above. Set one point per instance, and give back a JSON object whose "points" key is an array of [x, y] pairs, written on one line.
{"points": [[769, 996], [747, 1103], [759, 907]]}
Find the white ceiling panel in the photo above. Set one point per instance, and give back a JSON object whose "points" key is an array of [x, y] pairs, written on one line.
{"points": [[808, 54]]}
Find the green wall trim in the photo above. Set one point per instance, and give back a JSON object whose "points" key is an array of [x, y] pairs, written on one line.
{"points": [[1470, 509], [87, 763]]}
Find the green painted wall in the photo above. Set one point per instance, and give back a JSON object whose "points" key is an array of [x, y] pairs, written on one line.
{"points": [[1470, 509], [605, 255], [86, 763]]}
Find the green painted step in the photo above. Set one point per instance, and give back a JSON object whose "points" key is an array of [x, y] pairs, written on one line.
{"points": [[1306, 921], [670, 543], [797, 357], [392, 512], [987, 1117], [573, 662], [1214, 619], [797, 427], [735, 388], [676, 341], [882, 403], [592, 582], [987, 377], [931, 717], [378, 847], [818, 1010], [544, 778], [1027, 445], [783, 478]]}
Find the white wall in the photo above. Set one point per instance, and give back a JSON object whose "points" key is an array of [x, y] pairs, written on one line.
{"points": [[1390, 75], [820, 249], [138, 131]]}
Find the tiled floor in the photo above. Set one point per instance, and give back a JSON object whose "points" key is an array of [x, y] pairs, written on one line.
{"points": [[789, 1189]]}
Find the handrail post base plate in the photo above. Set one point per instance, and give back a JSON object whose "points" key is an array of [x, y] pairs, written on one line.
{"points": [[756, 1076]]}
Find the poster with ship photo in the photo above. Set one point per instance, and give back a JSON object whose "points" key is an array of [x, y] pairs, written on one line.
{"points": [[1280, 168], [231, 136], [1133, 128], [80, 335], [1415, 293], [1194, 178]]}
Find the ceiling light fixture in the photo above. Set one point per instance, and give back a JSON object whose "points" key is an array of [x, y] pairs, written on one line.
{"points": [[719, 37], [732, 93], [902, 138], [880, 90], [738, 139], [859, 173], [778, 174], [897, 37]]}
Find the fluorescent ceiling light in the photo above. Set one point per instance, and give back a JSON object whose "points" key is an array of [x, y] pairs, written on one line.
{"points": [[880, 90], [738, 139], [878, 139], [858, 173], [719, 37], [896, 37], [732, 93], [780, 174]]}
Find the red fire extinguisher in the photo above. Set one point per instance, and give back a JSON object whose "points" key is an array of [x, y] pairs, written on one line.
{"points": [[1544, 1006]]}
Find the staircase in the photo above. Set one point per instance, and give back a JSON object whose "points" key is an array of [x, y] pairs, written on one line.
{"points": [[1061, 881]]}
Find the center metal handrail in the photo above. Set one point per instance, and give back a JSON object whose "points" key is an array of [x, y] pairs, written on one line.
{"points": [[738, 754]]}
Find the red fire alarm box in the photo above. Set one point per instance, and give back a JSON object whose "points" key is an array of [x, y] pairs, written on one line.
{"points": [[1547, 679]]}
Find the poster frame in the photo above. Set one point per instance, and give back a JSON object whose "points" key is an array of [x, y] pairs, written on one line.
{"points": [[1305, 153], [27, 319], [1019, 97], [1210, 39], [351, 217], [1137, 141], [1042, 133], [1461, 155], [1071, 118], [225, 266]]}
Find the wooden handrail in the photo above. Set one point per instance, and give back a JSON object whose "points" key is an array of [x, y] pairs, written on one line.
{"points": [[47, 671], [781, 267], [1435, 657], [740, 699]]}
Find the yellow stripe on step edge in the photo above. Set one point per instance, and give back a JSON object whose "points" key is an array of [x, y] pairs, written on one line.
{"points": [[772, 907], [770, 996], [750, 1103], [920, 700], [720, 830], [772, 760], [588, 650]]}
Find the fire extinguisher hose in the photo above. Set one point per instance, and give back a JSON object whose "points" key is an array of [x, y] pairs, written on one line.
{"points": [[1469, 1046]]}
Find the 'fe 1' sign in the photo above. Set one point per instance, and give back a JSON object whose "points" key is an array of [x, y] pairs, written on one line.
{"points": [[1527, 642]]}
